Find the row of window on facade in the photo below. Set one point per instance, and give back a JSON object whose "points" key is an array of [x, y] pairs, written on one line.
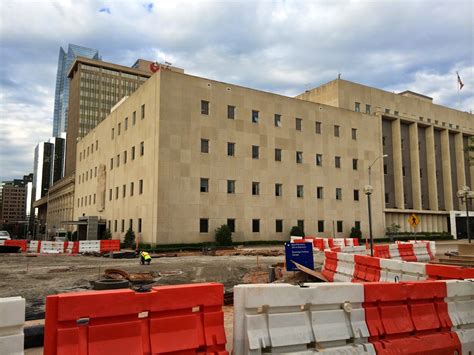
{"points": [[231, 149], [125, 156], [277, 119], [279, 227], [122, 225], [125, 122], [124, 190], [85, 176], [255, 187], [88, 150], [86, 201], [368, 108]]}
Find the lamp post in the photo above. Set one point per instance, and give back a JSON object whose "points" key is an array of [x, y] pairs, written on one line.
{"points": [[368, 189], [465, 195]]}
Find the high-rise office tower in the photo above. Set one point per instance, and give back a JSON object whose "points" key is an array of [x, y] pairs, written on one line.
{"points": [[61, 96]]}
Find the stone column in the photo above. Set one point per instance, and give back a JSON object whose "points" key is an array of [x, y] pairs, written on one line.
{"points": [[431, 166], [460, 168], [446, 158], [415, 166], [397, 164]]}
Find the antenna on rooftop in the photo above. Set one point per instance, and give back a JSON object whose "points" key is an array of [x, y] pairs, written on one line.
{"points": [[339, 76]]}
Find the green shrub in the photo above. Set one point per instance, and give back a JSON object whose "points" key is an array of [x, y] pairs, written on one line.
{"points": [[223, 235], [296, 231], [107, 235], [356, 233], [129, 239]]}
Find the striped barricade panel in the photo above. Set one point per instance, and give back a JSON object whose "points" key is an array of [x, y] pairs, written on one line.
{"points": [[406, 252], [448, 272], [50, 247], [344, 267], [394, 253], [34, 246], [12, 320], [339, 242], [354, 250], [330, 265], [290, 319], [89, 246], [183, 319]]}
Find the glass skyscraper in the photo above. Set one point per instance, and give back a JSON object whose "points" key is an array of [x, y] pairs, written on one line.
{"points": [[61, 96]]}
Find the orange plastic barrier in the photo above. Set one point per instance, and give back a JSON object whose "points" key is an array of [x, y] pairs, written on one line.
{"points": [[182, 319], [109, 245], [409, 316], [448, 272], [17, 243], [330, 265], [406, 252], [382, 251], [366, 268]]}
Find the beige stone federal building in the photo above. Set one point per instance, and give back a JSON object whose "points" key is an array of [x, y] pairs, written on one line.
{"points": [[183, 155]]}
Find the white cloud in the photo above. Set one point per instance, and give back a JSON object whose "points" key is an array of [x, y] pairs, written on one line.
{"points": [[275, 45]]}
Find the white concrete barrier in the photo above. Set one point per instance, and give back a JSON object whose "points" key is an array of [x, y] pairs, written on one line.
{"points": [[294, 320], [12, 320]]}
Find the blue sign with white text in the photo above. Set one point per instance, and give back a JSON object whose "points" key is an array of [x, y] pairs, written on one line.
{"points": [[301, 253]]}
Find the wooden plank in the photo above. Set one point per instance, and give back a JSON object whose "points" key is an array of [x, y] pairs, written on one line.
{"points": [[308, 271]]}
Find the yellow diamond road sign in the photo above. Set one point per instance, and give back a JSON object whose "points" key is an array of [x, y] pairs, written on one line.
{"points": [[414, 220]]}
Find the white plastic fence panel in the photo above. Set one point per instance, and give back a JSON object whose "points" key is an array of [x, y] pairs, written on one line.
{"points": [[33, 246], [52, 247], [345, 267], [89, 246], [466, 337], [390, 270], [421, 252], [460, 300], [339, 242], [394, 253], [293, 238], [300, 320], [412, 271], [12, 320], [349, 242], [358, 249]]}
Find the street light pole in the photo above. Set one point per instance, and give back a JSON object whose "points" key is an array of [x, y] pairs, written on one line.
{"points": [[368, 189], [467, 220], [464, 196]]}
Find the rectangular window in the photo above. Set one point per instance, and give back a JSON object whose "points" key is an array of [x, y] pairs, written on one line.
{"points": [[131, 188], [133, 153], [204, 145], [386, 198], [354, 164], [231, 224], [367, 109], [130, 224], [230, 112], [277, 154], [357, 225], [357, 106], [231, 186], [95, 172], [319, 159], [113, 133], [255, 188], [203, 225], [354, 133], [124, 190], [254, 116], [339, 226], [356, 195], [279, 226], [117, 162], [255, 152], [300, 224], [336, 130], [320, 226], [299, 191], [134, 118], [126, 123], [319, 192], [277, 120], [230, 149], [115, 226], [125, 157], [204, 185], [299, 157], [140, 187], [317, 127], [116, 192], [204, 108], [143, 112], [96, 144], [298, 124], [142, 148], [139, 225], [255, 225], [110, 194], [338, 193], [385, 169], [278, 189], [80, 156], [337, 162], [118, 129]]}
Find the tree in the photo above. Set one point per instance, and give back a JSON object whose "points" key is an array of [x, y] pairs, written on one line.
{"points": [[223, 235], [107, 234], [129, 239], [296, 231]]}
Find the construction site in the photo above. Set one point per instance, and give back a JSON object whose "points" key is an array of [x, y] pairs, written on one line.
{"points": [[240, 300]]}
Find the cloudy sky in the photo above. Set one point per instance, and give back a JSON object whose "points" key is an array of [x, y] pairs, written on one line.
{"points": [[281, 46]]}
